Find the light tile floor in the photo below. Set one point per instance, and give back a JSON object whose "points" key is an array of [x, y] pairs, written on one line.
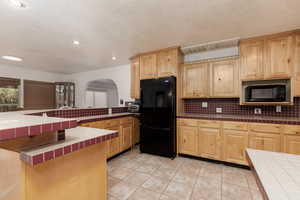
{"points": [[136, 176]]}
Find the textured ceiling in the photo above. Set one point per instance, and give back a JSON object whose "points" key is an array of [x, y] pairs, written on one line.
{"points": [[42, 33]]}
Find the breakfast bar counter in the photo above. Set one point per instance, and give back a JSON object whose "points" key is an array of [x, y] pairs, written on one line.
{"points": [[277, 174], [37, 165]]}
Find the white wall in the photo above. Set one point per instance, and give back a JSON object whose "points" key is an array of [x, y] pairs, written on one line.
{"points": [[119, 74], [29, 74]]}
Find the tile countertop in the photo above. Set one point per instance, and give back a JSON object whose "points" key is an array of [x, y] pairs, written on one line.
{"points": [[243, 118], [278, 173], [76, 138], [14, 125]]}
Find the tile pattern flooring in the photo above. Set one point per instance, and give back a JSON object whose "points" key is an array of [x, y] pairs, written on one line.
{"points": [[135, 176]]}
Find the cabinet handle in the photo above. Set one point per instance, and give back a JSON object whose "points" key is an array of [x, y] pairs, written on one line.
{"points": [[219, 79]]}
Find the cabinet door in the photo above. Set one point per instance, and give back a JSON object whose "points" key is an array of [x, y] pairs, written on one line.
{"points": [[264, 141], [188, 140], [297, 67], [114, 144], [126, 136], [279, 57], [167, 63], [196, 80], [251, 60], [234, 146], [291, 144], [148, 66], [136, 131], [210, 143], [225, 79], [135, 78]]}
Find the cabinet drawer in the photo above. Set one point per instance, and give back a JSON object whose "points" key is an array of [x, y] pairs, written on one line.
{"points": [[99, 124], [291, 129], [187, 122], [209, 123], [267, 128], [235, 126], [126, 120], [112, 122]]}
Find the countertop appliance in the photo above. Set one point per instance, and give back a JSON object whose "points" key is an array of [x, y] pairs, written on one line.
{"points": [[158, 116], [133, 107]]}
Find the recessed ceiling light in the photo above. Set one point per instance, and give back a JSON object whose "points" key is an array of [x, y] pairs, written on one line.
{"points": [[12, 58], [75, 42], [114, 58], [17, 3]]}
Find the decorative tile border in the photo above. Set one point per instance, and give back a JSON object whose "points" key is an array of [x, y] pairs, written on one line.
{"points": [[27, 131], [69, 148], [240, 119], [75, 113], [105, 118]]}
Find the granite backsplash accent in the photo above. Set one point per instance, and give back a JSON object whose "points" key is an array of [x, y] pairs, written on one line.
{"points": [[232, 107]]}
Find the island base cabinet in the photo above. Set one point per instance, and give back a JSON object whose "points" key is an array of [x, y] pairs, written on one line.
{"points": [[78, 175], [188, 142], [264, 141], [291, 144], [210, 143], [234, 147]]}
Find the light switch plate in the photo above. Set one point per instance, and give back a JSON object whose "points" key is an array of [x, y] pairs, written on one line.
{"points": [[218, 110], [204, 105], [257, 111]]}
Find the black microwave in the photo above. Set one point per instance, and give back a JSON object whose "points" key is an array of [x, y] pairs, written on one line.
{"points": [[266, 93]]}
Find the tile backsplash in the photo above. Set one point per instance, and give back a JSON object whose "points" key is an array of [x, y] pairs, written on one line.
{"points": [[232, 107], [72, 113]]}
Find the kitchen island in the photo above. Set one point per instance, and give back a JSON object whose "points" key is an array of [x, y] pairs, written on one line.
{"points": [[36, 165], [277, 174]]}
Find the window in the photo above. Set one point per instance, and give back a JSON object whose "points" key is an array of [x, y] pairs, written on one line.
{"points": [[9, 94]]}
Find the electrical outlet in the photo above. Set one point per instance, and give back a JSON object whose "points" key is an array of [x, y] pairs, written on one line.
{"points": [[204, 105], [278, 108], [218, 110], [257, 111]]}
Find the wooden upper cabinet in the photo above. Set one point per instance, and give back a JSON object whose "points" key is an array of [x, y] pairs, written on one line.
{"points": [[225, 78], [135, 78], [167, 63], [279, 56], [148, 66], [251, 60], [196, 80], [297, 67]]}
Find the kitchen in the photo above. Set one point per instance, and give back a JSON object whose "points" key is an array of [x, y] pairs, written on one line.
{"points": [[111, 109]]}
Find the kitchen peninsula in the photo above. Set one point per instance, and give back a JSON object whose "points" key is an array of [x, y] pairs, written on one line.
{"points": [[36, 164]]}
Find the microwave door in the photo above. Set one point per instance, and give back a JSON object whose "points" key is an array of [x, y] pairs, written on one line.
{"points": [[265, 93]]}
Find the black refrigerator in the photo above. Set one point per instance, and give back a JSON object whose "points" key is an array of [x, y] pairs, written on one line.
{"points": [[158, 116]]}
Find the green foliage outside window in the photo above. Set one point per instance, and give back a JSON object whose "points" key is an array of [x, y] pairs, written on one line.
{"points": [[9, 99]]}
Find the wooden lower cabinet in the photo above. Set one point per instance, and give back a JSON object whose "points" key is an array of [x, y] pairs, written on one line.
{"points": [[235, 143], [291, 144], [126, 136], [264, 141], [125, 127], [136, 131], [188, 140], [209, 140]]}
